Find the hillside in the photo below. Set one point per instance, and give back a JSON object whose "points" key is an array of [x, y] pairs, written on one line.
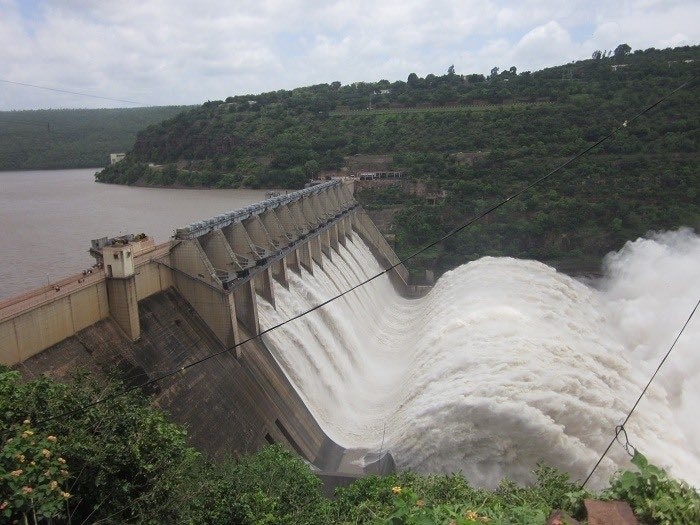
{"points": [[71, 138], [464, 141]]}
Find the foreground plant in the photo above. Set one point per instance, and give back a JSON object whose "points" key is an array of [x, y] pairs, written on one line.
{"points": [[654, 496], [33, 476]]}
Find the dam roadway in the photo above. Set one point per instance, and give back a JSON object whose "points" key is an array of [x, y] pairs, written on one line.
{"points": [[144, 310]]}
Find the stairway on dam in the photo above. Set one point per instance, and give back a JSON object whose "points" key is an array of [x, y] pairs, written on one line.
{"points": [[152, 309]]}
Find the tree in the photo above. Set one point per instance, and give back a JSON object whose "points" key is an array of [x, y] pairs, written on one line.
{"points": [[597, 54], [622, 50], [116, 450], [311, 167], [451, 70], [494, 72], [412, 80], [513, 70]]}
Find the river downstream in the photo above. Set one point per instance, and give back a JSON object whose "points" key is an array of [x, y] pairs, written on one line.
{"points": [[47, 219]]}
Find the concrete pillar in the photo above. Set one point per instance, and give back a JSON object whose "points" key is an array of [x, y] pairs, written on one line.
{"points": [[304, 251], [258, 234], [342, 234], [279, 271], [263, 285], [292, 261], [240, 242], [315, 247], [344, 195], [325, 239], [380, 248], [333, 236], [331, 196], [347, 222], [309, 214], [292, 227], [247, 307], [317, 208], [219, 252], [274, 228], [123, 305], [304, 224], [197, 282], [327, 206], [233, 319]]}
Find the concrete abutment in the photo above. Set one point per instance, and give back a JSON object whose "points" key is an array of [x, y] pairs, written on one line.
{"points": [[204, 287]]}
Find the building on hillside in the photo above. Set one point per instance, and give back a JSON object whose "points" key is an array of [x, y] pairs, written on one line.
{"points": [[372, 175], [116, 157]]}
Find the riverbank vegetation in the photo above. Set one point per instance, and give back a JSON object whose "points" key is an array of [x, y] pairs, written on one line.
{"points": [[72, 138], [470, 140], [123, 461]]}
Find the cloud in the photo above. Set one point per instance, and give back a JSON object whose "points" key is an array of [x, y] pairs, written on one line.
{"points": [[178, 51], [543, 45]]}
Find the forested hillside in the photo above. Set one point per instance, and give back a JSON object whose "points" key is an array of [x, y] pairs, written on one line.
{"points": [[72, 138], [471, 139]]}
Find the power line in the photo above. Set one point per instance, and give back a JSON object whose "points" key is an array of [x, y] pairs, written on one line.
{"points": [[452, 232], [57, 90], [621, 428]]}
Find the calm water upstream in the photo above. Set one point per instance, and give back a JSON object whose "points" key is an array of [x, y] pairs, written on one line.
{"points": [[47, 219]]}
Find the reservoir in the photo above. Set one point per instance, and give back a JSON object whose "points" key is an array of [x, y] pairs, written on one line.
{"points": [[47, 219]]}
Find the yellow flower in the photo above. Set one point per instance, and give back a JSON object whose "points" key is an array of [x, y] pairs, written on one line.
{"points": [[66, 495], [64, 472], [471, 515], [61, 461], [16, 473], [52, 439], [27, 433], [396, 490], [27, 490], [21, 458], [420, 503], [32, 463], [53, 485], [46, 453], [27, 422]]}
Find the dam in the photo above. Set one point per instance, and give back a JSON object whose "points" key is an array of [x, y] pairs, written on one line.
{"points": [[144, 309], [503, 364]]}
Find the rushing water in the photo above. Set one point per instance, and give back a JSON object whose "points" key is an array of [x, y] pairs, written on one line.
{"points": [[47, 219], [504, 364]]}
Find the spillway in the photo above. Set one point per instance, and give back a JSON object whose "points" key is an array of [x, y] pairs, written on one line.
{"points": [[504, 364]]}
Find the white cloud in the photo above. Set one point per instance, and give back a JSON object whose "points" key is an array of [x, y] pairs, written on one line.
{"points": [[179, 51]]}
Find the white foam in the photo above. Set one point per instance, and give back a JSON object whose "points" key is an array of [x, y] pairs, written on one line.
{"points": [[504, 364]]}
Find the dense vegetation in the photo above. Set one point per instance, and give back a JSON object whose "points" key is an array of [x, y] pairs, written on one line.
{"points": [[473, 139], [71, 138], [122, 461]]}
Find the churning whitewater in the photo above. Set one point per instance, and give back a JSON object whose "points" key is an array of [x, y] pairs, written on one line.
{"points": [[504, 364]]}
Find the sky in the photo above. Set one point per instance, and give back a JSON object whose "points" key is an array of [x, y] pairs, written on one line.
{"points": [[163, 52]]}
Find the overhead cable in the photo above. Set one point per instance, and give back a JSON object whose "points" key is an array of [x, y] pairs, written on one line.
{"points": [[57, 90], [452, 232], [620, 429]]}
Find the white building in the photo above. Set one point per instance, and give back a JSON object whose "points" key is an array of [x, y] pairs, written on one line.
{"points": [[116, 157]]}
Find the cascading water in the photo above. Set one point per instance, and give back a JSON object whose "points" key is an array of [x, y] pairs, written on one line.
{"points": [[504, 364]]}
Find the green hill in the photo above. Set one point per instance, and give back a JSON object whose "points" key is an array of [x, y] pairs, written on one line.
{"points": [[464, 141], [71, 138]]}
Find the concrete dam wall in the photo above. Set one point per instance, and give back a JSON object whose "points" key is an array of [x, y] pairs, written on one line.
{"points": [[150, 309]]}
